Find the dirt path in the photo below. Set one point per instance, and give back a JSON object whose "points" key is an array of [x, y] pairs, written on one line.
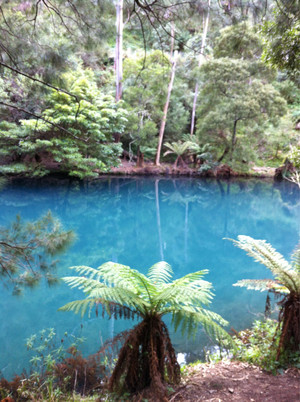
{"points": [[236, 381]]}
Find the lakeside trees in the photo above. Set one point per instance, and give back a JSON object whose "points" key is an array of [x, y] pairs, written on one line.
{"points": [[240, 101]]}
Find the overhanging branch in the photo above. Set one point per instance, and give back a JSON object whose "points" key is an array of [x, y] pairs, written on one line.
{"points": [[42, 118]]}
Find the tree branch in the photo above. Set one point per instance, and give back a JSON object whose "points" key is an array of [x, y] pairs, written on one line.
{"points": [[38, 80], [45, 120]]}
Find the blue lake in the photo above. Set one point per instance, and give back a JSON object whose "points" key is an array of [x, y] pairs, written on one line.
{"points": [[138, 222]]}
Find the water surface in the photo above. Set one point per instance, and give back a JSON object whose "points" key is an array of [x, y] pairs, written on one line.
{"points": [[138, 222]]}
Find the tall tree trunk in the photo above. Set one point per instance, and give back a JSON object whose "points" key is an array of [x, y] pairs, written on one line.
{"points": [[226, 150], [170, 87], [201, 60], [119, 49]]}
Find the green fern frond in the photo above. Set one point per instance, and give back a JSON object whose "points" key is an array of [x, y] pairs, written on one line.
{"points": [[296, 259], [262, 285], [79, 306], [190, 321], [264, 253], [88, 271], [190, 289], [124, 277], [183, 295], [160, 273], [87, 284]]}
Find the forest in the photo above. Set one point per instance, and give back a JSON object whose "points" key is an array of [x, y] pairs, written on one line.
{"points": [[197, 84], [96, 89]]}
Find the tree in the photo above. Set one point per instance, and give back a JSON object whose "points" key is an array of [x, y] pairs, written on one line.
{"points": [[200, 62], [119, 49], [238, 98], [24, 248], [71, 136], [286, 284], [144, 91], [282, 37], [173, 58], [234, 100], [147, 358]]}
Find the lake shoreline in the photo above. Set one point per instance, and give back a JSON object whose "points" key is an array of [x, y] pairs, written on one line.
{"points": [[164, 170], [127, 168]]}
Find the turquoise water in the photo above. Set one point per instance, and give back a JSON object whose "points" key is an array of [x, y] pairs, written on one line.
{"points": [[138, 222]]}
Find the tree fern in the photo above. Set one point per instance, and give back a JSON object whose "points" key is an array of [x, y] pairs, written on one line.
{"points": [[147, 354], [262, 252], [286, 283]]}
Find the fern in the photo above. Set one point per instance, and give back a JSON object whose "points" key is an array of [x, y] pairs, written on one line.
{"points": [[262, 252], [126, 293], [151, 294], [286, 283]]}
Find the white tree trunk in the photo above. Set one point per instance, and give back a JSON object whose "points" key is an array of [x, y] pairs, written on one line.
{"points": [[173, 56], [161, 249], [119, 49], [201, 60]]}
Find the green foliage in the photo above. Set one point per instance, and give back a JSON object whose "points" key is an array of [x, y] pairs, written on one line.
{"points": [[239, 41], [234, 101], [294, 157], [286, 283], [75, 135], [125, 293], [145, 88], [58, 371], [282, 37], [45, 350], [66, 37], [178, 148], [287, 276], [114, 284], [24, 248], [259, 344]]}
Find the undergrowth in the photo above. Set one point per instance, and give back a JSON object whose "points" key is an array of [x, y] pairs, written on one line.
{"points": [[259, 344]]}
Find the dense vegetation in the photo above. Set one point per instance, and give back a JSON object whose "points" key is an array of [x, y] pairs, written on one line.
{"points": [[220, 71], [195, 84]]}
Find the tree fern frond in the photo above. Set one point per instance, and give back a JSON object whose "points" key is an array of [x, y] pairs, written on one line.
{"points": [[184, 295], [79, 306], [190, 289], [264, 253], [92, 273], [262, 285], [97, 290], [159, 273], [296, 259], [123, 277], [190, 321], [121, 296], [87, 284]]}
